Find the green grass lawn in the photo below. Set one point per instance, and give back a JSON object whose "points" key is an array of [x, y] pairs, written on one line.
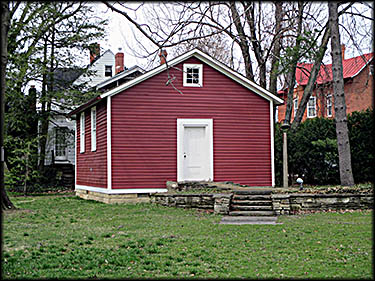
{"points": [[67, 237]]}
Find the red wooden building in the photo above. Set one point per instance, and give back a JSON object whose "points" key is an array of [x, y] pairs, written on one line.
{"points": [[190, 119]]}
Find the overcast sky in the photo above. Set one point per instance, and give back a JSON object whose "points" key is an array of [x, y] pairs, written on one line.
{"points": [[117, 29]]}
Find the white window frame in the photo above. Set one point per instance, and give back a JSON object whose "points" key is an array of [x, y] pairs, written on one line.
{"points": [[311, 107], [200, 78], [93, 128], [105, 70], [295, 106], [82, 132], [59, 145], [329, 106]]}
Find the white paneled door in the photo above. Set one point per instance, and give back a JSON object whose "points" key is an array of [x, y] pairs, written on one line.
{"points": [[194, 143]]}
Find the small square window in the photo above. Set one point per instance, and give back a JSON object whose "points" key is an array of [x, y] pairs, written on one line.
{"points": [[108, 71], [193, 75]]}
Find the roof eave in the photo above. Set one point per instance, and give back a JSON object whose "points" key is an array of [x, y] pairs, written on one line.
{"points": [[83, 107]]}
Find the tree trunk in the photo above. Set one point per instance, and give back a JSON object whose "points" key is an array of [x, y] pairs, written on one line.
{"points": [[312, 79], [250, 18], [292, 72], [343, 145], [276, 48], [5, 22], [244, 46]]}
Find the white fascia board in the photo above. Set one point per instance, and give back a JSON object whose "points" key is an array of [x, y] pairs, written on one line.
{"points": [[208, 60], [120, 191]]}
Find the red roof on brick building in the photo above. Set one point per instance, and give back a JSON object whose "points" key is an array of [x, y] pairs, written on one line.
{"points": [[351, 67]]}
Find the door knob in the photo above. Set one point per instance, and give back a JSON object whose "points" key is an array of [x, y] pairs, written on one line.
{"points": [[184, 155]]}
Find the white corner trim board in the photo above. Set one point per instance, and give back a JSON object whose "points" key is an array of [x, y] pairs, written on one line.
{"points": [[120, 191], [109, 144], [272, 122]]}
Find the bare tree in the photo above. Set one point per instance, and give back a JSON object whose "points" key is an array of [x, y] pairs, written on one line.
{"points": [[270, 48], [216, 46], [343, 145], [313, 74], [276, 48], [5, 22], [243, 23], [291, 77]]}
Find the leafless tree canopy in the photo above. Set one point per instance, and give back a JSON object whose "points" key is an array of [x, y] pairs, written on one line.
{"points": [[255, 36]]}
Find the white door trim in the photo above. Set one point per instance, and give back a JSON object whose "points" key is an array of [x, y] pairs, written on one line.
{"points": [[109, 144], [181, 123]]}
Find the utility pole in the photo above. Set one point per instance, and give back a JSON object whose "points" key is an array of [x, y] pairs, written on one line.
{"points": [[284, 127]]}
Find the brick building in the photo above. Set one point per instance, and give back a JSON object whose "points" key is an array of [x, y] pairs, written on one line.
{"points": [[358, 86]]}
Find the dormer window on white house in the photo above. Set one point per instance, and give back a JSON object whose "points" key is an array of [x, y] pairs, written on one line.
{"points": [[108, 71], [193, 75]]}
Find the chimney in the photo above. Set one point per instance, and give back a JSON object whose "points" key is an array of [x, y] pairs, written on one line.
{"points": [[119, 61], [343, 51], [163, 56], [94, 51]]}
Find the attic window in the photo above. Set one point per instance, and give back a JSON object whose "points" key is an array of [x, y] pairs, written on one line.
{"points": [[108, 71], [193, 75]]}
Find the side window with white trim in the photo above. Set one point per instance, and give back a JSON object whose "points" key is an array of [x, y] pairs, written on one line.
{"points": [[329, 106], [295, 106], [93, 128], [311, 107], [193, 75], [82, 132]]}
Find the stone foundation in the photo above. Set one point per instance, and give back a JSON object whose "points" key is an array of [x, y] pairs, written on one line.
{"points": [[199, 201], [285, 204], [218, 203], [222, 203], [113, 198]]}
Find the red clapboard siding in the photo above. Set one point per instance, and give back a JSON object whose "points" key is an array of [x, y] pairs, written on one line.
{"points": [[92, 165], [144, 130]]}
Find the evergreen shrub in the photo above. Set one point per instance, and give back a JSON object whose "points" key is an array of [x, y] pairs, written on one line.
{"points": [[313, 155]]}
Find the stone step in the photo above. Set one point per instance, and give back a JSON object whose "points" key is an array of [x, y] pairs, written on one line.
{"points": [[250, 208], [253, 192], [251, 197], [252, 202], [252, 213], [247, 218], [238, 220]]}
